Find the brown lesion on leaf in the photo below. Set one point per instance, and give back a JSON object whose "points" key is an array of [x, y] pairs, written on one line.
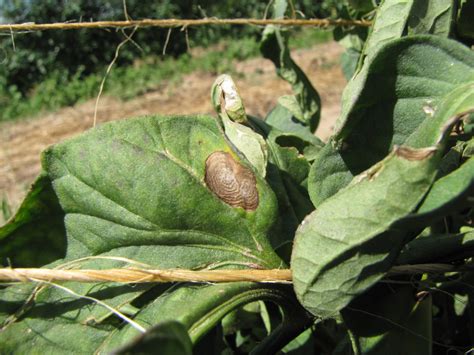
{"points": [[232, 182], [414, 154]]}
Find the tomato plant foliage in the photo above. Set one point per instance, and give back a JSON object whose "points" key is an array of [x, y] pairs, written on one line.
{"points": [[393, 186]]}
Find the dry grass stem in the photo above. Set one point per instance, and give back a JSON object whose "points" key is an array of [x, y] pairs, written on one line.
{"points": [[143, 275], [135, 275], [170, 23]]}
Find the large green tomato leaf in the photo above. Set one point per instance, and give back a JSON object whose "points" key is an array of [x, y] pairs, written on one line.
{"points": [[353, 238], [134, 191], [37, 225], [393, 95], [133, 184]]}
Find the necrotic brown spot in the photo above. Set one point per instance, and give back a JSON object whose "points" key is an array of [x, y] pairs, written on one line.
{"points": [[414, 154], [232, 182]]}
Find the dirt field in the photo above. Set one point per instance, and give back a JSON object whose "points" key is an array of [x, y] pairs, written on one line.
{"points": [[22, 142]]}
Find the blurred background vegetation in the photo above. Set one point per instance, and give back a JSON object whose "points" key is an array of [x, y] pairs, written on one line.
{"points": [[47, 70]]}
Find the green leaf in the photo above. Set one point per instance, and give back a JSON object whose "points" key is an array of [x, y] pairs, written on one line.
{"points": [[351, 38], [170, 337], [249, 143], [200, 307], [247, 326], [282, 118], [290, 102], [274, 46], [458, 102], [287, 175], [386, 103], [447, 198], [37, 225], [450, 189], [389, 24], [134, 191], [432, 17], [352, 239], [283, 129], [132, 184]]}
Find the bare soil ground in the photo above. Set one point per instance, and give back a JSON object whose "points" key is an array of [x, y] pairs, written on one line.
{"points": [[21, 142]]}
